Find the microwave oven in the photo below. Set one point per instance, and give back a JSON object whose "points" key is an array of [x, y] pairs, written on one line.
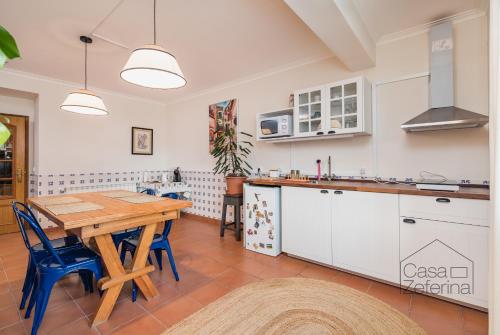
{"points": [[276, 126]]}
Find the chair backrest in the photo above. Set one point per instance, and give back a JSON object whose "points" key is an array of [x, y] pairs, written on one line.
{"points": [[168, 223], [22, 228], [27, 218], [149, 191]]}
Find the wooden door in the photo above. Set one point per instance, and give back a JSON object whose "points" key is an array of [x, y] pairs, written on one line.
{"points": [[306, 223], [13, 184]]}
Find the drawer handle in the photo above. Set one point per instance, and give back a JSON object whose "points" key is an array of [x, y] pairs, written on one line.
{"points": [[338, 192], [409, 221], [324, 191], [443, 200], [319, 133], [331, 132]]}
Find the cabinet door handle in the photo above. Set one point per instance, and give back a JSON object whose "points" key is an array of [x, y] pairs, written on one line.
{"points": [[443, 200], [338, 192], [319, 133], [331, 132], [324, 191], [409, 221]]}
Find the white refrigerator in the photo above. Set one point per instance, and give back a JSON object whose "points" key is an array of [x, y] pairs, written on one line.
{"points": [[262, 219]]}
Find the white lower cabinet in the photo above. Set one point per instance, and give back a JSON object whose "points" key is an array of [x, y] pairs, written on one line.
{"points": [[306, 223], [365, 233]]}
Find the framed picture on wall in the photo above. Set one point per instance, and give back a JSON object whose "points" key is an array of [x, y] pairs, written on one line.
{"points": [[220, 115], [142, 141]]}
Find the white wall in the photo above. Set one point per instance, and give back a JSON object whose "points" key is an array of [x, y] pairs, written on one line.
{"points": [[390, 152], [24, 104], [72, 143]]}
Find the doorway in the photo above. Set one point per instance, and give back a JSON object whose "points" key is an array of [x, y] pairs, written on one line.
{"points": [[13, 162]]}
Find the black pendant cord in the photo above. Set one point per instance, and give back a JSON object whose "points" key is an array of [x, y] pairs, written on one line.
{"points": [[85, 65], [154, 22]]}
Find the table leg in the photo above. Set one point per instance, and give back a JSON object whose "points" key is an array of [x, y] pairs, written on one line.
{"points": [[141, 254], [117, 275]]}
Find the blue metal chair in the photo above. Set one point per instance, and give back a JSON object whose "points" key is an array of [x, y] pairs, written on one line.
{"points": [[39, 252], [160, 243], [119, 236], [54, 266]]}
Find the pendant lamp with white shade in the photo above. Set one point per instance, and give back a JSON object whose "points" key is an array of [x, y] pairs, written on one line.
{"points": [[84, 101], [152, 66]]}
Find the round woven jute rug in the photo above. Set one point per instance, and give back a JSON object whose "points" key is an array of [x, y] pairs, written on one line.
{"points": [[296, 306]]}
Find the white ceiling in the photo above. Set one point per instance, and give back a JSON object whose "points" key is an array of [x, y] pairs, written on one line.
{"points": [[214, 41], [383, 17]]}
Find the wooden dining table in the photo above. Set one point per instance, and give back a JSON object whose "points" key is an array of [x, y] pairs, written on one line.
{"points": [[98, 215]]}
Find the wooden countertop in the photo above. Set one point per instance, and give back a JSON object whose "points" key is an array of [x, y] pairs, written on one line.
{"points": [[465, 192]]}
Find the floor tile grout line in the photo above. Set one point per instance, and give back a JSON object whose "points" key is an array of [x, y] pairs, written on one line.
{"points": [[84, 314], [153, 316]]}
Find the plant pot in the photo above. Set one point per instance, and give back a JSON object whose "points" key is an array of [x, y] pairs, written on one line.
{"points": [[235, 185]]}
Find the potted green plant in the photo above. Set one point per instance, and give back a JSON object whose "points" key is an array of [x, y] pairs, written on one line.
{"points": [[8, 50], [231, 156]]}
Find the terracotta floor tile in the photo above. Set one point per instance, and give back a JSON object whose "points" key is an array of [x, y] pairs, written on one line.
{"points": [[318, 272], [209, 293], [189, 281], [144, 325], [81, 326], [88, 303], [436, 316], [392, 295], [204, 265], [233, 278], [9, 315], [291, 264], [123, 312], [56, 318], [7, 299], [251, 266], [355, 282], [167, 294], [17, 329], [475, 322], [16, 273], [177, 310]]}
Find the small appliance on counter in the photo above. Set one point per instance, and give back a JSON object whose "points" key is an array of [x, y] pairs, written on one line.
{"points": [[449, 185], [275, 173], [262, 219], [275, 124]]}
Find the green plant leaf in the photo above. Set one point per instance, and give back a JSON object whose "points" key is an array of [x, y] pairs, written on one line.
{"points": [[8, 44], [3, 59], [4, 134]]}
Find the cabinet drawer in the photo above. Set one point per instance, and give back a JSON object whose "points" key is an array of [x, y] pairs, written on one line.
{"points": [[467, 211]]}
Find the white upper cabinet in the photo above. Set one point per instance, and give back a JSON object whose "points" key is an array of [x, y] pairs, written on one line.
{"points": [[343, 107], [309, 111]]}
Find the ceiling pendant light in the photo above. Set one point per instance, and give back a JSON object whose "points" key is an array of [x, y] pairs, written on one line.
{"points": [[84, 101], [152, 66]]}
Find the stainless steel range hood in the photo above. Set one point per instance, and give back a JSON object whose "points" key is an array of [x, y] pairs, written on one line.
{"points": [[443, 114]]}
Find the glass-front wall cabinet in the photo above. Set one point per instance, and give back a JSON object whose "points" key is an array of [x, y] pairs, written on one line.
{"points": [[309, 111], [344, 107]]}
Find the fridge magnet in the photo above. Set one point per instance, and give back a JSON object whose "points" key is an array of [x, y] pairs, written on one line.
{"points": [[256, 225], [270, 213], [261, 245], [271, 236], [264, 203], [248, 206], [249, 214], [256, 196], [255, 207], [255, 246], [250, 232], [255, 232], [269, 246], [259, 215]]}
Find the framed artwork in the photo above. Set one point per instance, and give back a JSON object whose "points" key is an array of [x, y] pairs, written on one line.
{"points": [[220, 115], [142, 141]]}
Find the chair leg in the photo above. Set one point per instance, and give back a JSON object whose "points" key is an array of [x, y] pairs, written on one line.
{"points": [[150, 260], [123, 253], [41, 305], [171, 259], [159, 258], [134, 292], [28, 283], [34, 293], [84, 278]]}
